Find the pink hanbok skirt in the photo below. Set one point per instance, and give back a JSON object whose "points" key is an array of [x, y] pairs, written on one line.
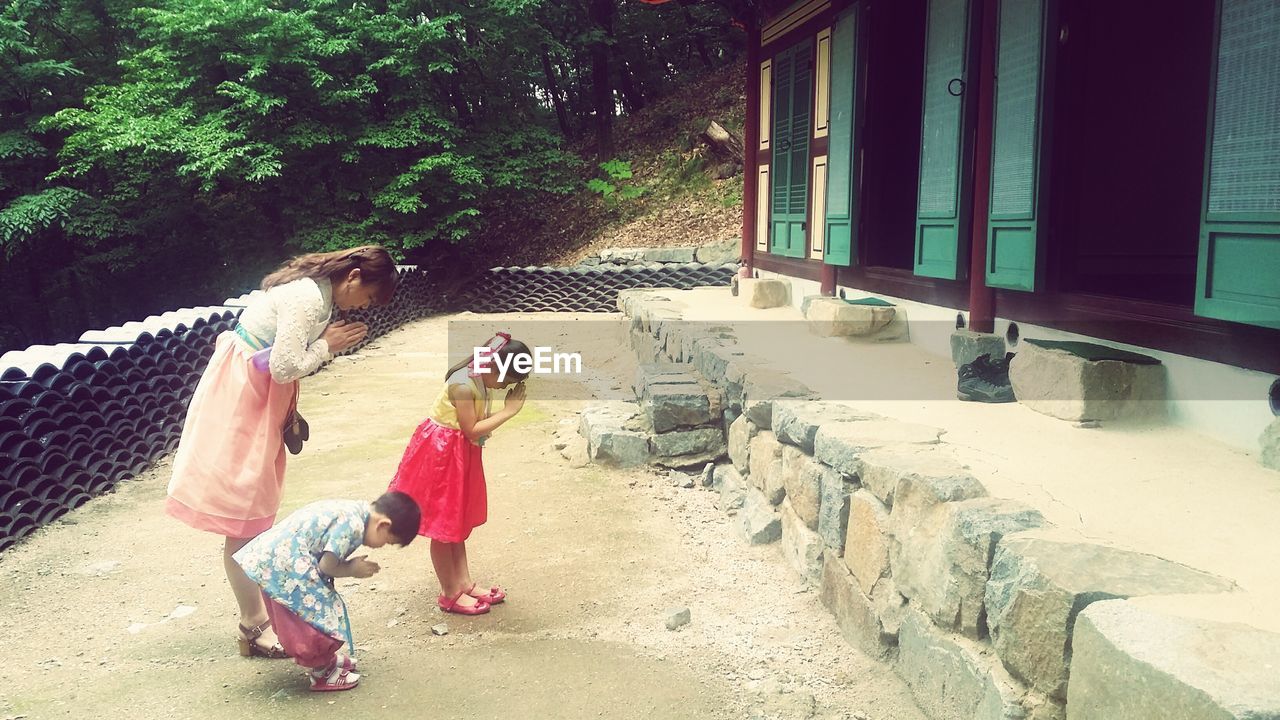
{"points": [[308, 646], [229, 470]]}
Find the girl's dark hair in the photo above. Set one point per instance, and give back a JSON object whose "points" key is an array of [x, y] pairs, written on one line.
{"points": [[514, 347], [404, 513], [375, 265]]}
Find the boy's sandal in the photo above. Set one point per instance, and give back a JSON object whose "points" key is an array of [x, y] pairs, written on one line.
{"points": [[493, 597], [333, 679], [451, 606], [346, 662], [249, 647]]}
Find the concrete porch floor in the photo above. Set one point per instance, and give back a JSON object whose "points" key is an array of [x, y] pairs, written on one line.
{"points": [[1157, 489]]}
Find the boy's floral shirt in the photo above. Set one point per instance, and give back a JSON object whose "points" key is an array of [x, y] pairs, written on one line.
{"points": [[285, 561]]}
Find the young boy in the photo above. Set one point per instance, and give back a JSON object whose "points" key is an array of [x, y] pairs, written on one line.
{"points": [[296, 561]]}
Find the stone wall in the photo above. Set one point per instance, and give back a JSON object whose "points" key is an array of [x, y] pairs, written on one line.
{"points": [[973, 598]]}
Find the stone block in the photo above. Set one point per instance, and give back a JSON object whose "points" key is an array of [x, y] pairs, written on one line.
{"points": [[918, 493], [719, 253], [761, 388], [854, 612], [942, 563], [741, 431], [669, 255], [1129, 662], [670, 405], [764, 293], [732, 488], [801, 547], [711, 357], [866, 547], [1062, 385], [933, 469], [644, 346], [648, 374], [765, 466], [1270, 445], [801, 476], [967, 345], [686, 448], [615, 434], [834, 490], [622, 256], [833, 317], [797, 421], [1039, 584], [758, 521], [839, 445], [954, 678]]}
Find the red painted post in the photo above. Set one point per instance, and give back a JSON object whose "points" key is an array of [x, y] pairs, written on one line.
{"points": [[982, 299], [750, 142]]}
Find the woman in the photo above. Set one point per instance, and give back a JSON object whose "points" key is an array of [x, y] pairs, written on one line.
{"points": [[229, 469]]}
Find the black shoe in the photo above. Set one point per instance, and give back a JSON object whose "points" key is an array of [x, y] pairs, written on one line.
{"points": [[985, 380]]}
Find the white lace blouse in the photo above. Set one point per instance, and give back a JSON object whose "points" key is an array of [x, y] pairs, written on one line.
{"points": [[291, 318]]}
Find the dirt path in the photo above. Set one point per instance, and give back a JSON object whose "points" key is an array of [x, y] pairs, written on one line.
{"points": [[119, 612]]}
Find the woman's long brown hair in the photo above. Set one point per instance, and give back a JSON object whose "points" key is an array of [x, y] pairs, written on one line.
{"points": [[374, 262]]}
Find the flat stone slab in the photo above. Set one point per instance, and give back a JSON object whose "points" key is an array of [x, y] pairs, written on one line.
{"points": [[669, 255], [764, 293], [622, 256], [686, 448], [1038, 585], [669, 404], [883, 470], [834, 317], [801, 547], [1064, 385], [967, 346], [758, 521], [719, 254], [762, 388], [615, 434], [955, 678], [1132, 663], [797, 421], [839, 445], [941, 563]]}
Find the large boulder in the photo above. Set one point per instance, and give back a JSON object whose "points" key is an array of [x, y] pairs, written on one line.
{"points": [[840, 445], [1066, 385], [765, 465], [834, 317], [764, 293], [797, 421], [801, 476], [1039, 584], [1132, 663], [941, 564]]}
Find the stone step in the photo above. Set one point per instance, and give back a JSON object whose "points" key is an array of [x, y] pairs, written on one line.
{"points": [[1062, 382], [837, 317]]}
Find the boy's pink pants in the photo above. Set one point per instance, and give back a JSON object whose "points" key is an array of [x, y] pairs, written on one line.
{"points": [[308, 647]]}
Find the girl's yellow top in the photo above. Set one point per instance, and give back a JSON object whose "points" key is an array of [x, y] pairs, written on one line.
{"points": [[444, 413]]}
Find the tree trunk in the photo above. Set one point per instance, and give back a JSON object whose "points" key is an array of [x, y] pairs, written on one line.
{"points": [[553, 90], [630, 94], [698, 41], [727, 149], [600, 14]]}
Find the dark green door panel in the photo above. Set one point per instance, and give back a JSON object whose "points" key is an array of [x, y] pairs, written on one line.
{"points": [[1015, 213], [792, 77], [1238, 275], [941, 201], [842, 131]]}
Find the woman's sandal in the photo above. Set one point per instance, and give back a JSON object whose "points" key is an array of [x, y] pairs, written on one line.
{"points": [[451, 606], [249, 646], [495, 595], [333, 678]]}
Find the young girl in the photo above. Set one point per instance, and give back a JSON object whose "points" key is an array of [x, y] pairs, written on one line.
{"points": [[229, 469], [441, 468], [295, 563]]}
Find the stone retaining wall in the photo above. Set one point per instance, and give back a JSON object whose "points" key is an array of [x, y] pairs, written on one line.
{"points": [[974, 599]]}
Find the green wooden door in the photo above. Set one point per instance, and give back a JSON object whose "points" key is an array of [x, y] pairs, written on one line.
{"points": [[842, 132], [789, 170], [1238, 277], [1013, 229], [941, 203]]}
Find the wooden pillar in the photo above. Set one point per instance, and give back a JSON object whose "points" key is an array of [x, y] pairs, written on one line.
{"points": [[982, 299], [751, 143]]}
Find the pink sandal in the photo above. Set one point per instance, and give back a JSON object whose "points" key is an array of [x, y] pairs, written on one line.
{"points": [[451, 606], [334, 678], [493, 597]]}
